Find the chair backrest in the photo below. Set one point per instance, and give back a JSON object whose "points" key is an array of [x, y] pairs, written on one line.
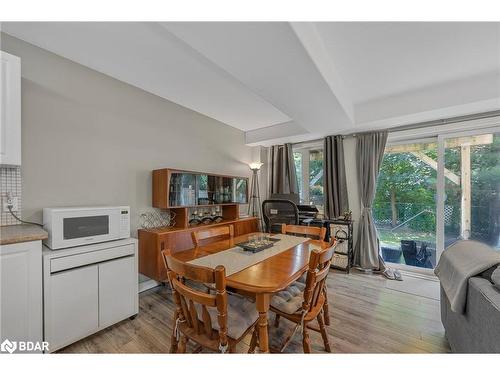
{"points": [[319, 266], [317, 232], [277, 212], [186, 298], [294, 197], [205, 234]]}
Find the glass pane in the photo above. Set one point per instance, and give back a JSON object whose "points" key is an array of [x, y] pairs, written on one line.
{"points": [[297, 157], [202, 183], [224, 189], [85, 226], [212, 189], [472, 189], [182, 189], [404, 208], [316, 178], [241, 190]]}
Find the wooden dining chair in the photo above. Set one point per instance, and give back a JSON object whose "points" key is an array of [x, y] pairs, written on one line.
{"points": [[303, 307], [318, 234], [205, 234], [217, 321]]}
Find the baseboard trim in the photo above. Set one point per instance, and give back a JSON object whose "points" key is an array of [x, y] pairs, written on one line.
{"points": [[147, 284], [420, 275]]}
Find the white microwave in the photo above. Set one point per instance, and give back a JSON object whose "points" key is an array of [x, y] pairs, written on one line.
{"points": [[75, 226]]}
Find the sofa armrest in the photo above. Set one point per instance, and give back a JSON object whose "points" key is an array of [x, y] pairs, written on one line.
{"points": [[478, 329]]}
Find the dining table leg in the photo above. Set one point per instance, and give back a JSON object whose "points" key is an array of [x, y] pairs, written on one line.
{"points": [[262, 302]]}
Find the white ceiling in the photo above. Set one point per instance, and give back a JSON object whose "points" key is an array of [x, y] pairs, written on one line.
{"points": [[281, 81], [386, 58]]}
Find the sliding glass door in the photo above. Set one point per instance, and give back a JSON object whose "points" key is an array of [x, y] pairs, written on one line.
{"points": [[433, 192], [404, 208], [469, 182]]}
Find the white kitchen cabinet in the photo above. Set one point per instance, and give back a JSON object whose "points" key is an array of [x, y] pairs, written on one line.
{"points": [[88, 288], [118, 289], [72, 304], [21, 291], [10, 109]]}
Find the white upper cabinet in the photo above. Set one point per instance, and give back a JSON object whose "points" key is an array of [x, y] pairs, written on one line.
{"points": [[10, 109]]}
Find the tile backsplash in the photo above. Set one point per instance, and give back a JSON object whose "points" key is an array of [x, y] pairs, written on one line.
{"points": [[10, 182]]}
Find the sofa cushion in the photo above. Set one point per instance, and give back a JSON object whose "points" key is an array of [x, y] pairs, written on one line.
{"points": [[487, 274], [495, 277]]}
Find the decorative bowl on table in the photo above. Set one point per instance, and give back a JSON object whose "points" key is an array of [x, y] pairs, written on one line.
{"points": [[258, 243]]}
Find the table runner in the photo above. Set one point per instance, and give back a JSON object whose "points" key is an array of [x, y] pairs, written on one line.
{"points": [[236, 259]]}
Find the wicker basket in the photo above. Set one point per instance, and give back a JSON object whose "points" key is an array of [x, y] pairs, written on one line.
{"points": [[340, 261], [342, 247]]}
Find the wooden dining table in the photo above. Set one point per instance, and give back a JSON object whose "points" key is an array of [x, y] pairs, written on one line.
{"points": [[262, 279]]}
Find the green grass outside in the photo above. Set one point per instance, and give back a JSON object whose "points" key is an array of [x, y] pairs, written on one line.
{"points": [[393, 239]]}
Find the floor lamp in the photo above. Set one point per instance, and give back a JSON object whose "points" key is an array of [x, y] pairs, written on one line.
{"points": [[254, 206]]}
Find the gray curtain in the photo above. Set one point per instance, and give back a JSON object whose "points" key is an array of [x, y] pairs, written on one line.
{"points": [[282, 176], [334, 177], [369, 156]]}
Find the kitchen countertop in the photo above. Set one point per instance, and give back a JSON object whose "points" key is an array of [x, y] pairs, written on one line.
{"points": [[10, 234]]}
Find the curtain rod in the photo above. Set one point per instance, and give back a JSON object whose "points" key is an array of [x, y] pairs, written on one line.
{"points": [[419, 125]]}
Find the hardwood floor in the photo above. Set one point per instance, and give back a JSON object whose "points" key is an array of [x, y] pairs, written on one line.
{"points": [[365, 316]]}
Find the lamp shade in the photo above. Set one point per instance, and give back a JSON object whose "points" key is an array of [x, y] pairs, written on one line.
{"points": [[255, 166]]}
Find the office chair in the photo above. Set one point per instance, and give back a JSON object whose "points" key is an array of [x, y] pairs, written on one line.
{"points": [[277, 212]]}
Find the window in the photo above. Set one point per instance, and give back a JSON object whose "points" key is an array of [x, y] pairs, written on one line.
{"points": [[309, 169]]}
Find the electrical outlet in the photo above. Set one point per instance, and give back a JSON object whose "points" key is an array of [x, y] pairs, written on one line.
{"points": [[14, 201]]}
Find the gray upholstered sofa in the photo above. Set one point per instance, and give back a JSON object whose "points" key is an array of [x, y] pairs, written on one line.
{"points": [[478, 329]]}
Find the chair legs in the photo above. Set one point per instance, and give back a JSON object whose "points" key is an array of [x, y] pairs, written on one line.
{"points": [[324, 335], [173, 340], [306, 341], [173, 344], [182, 344], [253, 341], [326, 312], [290, 337]]}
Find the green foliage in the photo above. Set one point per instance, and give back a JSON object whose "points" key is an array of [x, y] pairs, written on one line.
{"points": [[485, 181], [412, 185], [315, 170], [411, 182]]}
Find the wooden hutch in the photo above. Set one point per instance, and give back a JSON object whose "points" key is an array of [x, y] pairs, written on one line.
{"points": [[186, 194]]}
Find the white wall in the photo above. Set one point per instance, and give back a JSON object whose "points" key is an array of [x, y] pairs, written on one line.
{"points": [[88, 139]]}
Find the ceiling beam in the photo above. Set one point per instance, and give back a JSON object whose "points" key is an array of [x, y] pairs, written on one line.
{"points": [[270, 60], [275, 134], [315, 47]]}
